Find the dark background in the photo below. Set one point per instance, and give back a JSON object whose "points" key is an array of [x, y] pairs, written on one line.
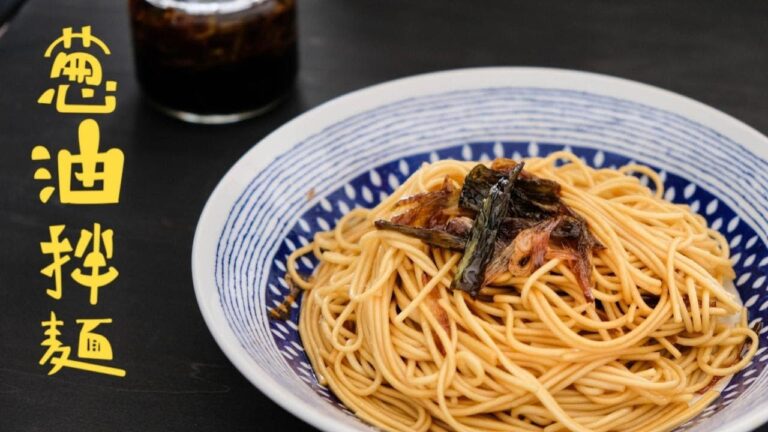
{"points": [[178, 379]]}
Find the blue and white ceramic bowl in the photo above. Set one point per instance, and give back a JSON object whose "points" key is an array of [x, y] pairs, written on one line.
{"points": [[356, 149]]}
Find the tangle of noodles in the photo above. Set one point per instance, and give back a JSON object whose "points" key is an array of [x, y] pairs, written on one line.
{"points": [[405, 353]]}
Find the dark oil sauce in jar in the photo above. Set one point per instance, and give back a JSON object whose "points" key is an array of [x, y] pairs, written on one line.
{"points": [[214, 57]]}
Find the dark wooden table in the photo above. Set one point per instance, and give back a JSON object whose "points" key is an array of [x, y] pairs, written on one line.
{"points": [[178, 379]]}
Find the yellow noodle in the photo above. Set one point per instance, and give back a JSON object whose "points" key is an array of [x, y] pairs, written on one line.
{"points": [[383, 330]]}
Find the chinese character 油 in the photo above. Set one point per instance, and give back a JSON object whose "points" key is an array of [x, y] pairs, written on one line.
{"points": [[88, 177]]}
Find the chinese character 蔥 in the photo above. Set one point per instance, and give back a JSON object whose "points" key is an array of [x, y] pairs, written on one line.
{"points": [[90, 346], [88, 177], [80, 68]]}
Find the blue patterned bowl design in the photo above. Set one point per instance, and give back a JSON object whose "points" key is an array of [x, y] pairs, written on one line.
{"points": [[357, 160]]}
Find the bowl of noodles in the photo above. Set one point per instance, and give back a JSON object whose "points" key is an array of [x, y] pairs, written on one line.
{"points": [[497, 249]]}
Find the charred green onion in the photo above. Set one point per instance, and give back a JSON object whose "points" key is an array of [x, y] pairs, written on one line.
{"points": [[482, 238], [505, 220], [432, 237], [532, 197]]}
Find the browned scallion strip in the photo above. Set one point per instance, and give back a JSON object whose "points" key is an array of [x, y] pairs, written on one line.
{"points": [[429, 209], [433, 237], [525, 253], [283, 310]]}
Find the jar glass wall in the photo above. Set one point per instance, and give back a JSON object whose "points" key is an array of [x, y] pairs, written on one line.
{"points": [[214, 61]]}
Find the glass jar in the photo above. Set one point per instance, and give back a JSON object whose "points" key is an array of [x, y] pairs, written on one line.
{"points": [[214, 61]]}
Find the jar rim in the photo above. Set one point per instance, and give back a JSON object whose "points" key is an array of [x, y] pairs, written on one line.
{"points": [[205, 7]]}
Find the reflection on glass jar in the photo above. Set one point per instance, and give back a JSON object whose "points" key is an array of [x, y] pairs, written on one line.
{"points": [[213, 61]]}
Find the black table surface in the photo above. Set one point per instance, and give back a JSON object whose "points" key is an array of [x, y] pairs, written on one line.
{"points": [[178, 379]]}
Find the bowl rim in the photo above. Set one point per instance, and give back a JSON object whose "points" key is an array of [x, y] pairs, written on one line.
{"points": [[306, 124]]}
